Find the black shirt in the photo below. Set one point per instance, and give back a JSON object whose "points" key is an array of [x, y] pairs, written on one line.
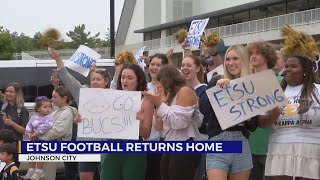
{"points": [[20, 117]]}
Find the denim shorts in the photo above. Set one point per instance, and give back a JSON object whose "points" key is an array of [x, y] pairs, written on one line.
{"points": [[230, 163]]}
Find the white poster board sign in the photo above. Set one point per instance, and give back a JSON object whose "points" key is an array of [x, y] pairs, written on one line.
{"points": [[139, 59], [82, 60], [246, 97], [195, 31], [109, 113]]}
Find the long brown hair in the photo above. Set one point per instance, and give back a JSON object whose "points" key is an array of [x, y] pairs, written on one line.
{"points": [[197, 62], [171, 80], [141, 78]]}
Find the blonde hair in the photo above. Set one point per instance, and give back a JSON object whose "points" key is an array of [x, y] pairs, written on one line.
{"points": [[125, 57], [244, 57], [19, 94]]}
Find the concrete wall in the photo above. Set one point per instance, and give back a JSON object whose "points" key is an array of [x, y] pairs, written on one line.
{"points": [[137, 22]]}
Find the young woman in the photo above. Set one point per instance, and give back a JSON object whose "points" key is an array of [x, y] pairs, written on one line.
{"points": [[236, 166], [181, 119], [153, 160], [130, 166], [99, 78], [294, 147], [62, 125], [15, 115]]}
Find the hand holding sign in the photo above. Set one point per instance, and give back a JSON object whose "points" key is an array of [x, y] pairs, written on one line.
{"points": [[82, 60], [246, 97]]}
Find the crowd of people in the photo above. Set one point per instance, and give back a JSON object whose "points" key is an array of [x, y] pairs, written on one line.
{"points": [[175, 107]]}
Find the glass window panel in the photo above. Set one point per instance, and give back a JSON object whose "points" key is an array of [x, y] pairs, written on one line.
{"points": [[298, 5], [241, 17], [225, 20], [276, 10], [259, 13]]}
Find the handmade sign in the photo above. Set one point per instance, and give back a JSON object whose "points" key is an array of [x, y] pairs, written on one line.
{"points": [[195, 31], [246, 97], [82, 60], [139, 59], [109, 113]]}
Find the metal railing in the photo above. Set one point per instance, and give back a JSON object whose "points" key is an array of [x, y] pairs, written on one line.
{"points": [[256, 26]]}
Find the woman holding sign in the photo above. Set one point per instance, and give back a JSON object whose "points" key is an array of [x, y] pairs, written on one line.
{"points": [[236, 166], [294, 143], [99, 78], [130, 166], [181, 119]]}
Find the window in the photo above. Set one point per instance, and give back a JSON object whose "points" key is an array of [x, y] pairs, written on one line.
{"points": [[174, 30], [225, 20], [259, 13], [213, 22], [156, 35], [276, 10], [314, 4], [241, 17], [147, 36], [298, 5]]}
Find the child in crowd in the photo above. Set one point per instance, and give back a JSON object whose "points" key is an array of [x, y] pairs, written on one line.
{"points": [[39, 123], [8, 152], [8, 136]]}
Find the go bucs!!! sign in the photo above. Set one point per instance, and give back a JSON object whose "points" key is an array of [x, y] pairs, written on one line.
{"points": [[195, 31], [246, 97], [82, 60], [109, 113]]}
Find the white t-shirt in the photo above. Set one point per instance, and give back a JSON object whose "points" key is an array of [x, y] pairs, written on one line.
{"points": [[292, 127]]}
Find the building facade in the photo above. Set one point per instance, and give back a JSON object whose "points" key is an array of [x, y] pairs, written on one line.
{"points": [[152, 23]]}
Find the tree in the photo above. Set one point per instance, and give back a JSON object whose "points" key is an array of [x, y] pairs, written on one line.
{"points": [[22, 42], [36, 40], [80, 37], [6, 44]]}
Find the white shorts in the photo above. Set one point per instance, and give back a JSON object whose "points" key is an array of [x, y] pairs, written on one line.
{"points": [[293, 159]]}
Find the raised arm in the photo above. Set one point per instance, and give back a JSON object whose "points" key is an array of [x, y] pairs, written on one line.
{"points": [[71, 83]]}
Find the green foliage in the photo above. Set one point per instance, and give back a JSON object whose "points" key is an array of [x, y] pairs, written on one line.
{"points": [[80, 37], [6, 44], [16, 43], [22, 42]]}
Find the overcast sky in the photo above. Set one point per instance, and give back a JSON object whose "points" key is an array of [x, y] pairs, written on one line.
{"points": [[31, 16]]}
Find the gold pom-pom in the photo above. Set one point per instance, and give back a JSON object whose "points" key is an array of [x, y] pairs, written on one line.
{"points": [[211, 40], [181, 35], [51, 38], [125, 57], [298, 43]]}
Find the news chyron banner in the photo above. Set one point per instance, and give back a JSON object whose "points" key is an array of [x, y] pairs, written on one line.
{"points": [[90, 151]]}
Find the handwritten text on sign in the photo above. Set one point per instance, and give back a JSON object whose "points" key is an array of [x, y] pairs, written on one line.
{"points": [[195, 31], [109, 113], [246, 97], [82, 60]]}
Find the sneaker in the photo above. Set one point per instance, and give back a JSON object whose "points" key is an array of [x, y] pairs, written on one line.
{"points": [[28, 175], [37, 176]]}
